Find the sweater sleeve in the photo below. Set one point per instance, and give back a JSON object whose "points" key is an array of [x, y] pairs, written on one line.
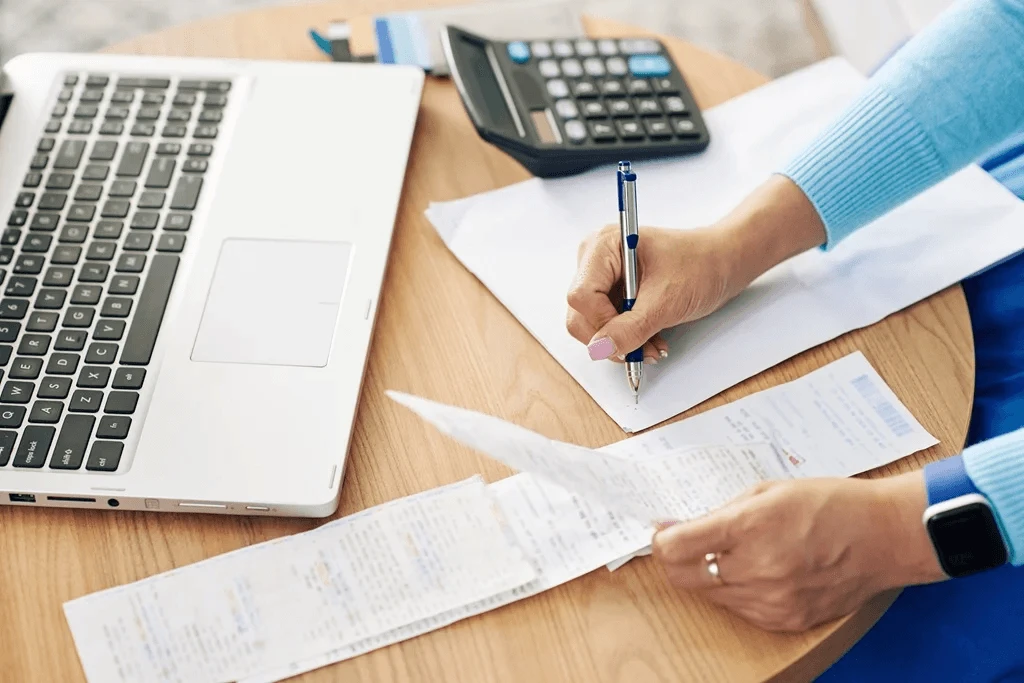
{"points": [[996, 467], [950, 94]]}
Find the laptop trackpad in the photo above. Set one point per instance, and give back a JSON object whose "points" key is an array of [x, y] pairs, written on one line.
{"points": [[273, 302]]}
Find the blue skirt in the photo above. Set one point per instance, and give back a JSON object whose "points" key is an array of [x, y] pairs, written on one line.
{"points": [[970, 629]]}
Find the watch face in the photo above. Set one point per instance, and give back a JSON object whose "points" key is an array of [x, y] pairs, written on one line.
{"points": [[967, 539]]}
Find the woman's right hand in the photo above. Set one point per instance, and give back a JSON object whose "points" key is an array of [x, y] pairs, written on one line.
{"points": [[685, 274]]}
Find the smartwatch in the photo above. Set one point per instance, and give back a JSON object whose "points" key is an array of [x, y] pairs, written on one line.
{"points": [[960, 521]]}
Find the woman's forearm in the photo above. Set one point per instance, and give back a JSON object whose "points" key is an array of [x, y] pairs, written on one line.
{"points": [[952, 93]]}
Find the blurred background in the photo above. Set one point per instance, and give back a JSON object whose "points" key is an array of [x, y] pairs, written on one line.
{"points": [[772, 36]]}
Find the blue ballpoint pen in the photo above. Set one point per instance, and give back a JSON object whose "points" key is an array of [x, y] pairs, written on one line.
{"points": [[629, 229]]}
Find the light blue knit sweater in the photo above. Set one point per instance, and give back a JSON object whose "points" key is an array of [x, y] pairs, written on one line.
{"points": [[949, 95]]}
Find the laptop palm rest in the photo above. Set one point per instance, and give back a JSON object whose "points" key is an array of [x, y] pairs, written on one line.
{"points": [[273, 302]]}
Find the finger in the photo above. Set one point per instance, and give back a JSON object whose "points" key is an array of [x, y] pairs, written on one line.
{"points": [[695, 575], [627, 331], [579, 327], [689, 542], [659, 345], [598, 272]]}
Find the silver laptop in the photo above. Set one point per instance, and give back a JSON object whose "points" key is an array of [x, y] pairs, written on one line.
{"points": [[191, 262]]}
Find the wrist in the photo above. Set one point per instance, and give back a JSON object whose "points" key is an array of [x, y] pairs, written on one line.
{"points": [[912, 558], [774, 223]]}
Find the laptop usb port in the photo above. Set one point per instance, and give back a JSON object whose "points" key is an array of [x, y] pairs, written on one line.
{"points": [[71, 499], [22, 497]]}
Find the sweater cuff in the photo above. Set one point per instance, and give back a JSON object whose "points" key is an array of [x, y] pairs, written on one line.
{"points": [[873, 158], [996, 467]]}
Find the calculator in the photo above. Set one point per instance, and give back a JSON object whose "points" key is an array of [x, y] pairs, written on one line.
{"points": [[562, 106]]}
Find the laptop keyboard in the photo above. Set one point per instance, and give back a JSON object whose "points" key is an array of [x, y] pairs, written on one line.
{"points": [[88, 259]]}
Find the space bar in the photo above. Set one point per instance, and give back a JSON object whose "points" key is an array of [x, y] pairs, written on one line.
{"points": [[138, 347]]}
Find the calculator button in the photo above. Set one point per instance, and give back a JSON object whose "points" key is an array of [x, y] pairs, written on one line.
{"points": [[593, 109], [674, 104], [607, 47], [657, 128], [557, 88], [620, 108], [602, 131], [630, 129], [647, 106], [572, 68], [638, 86], [593, 66], [519, 52], [549, 68], [665, 85], [567, 109], [562, 48], [541, 49], [616, 66], [635, 46], [649, 66], [612, 88], [685, 128], [575, 131], [583, 89], [586, 48]]}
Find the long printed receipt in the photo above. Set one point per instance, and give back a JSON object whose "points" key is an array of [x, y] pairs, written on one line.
{"points": [[963, 225], [571, 511]]}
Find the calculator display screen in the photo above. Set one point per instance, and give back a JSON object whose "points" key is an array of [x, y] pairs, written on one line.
{"points": [[483, 85]]}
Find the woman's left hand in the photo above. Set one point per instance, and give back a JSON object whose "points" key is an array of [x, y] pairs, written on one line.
{"points": [[793, 554]]}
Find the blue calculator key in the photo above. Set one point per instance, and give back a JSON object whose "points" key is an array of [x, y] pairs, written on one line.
{"points": [[649, 66], [519, 52]]}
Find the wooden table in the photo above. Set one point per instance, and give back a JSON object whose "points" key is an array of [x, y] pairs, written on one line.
{"points": [[623, 626]]}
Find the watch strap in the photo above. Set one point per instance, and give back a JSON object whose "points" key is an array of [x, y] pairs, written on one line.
{"points": [[948, 479]]}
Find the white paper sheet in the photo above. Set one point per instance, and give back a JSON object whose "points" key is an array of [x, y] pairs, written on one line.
{"points": [[565, 536], [521, 242], [266, 605]]}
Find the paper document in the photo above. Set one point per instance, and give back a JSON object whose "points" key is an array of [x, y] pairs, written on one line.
{"points": [[954, 230], [262, 607], [565, 536]]}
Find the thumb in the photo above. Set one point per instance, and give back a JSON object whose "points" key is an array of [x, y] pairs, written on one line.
{"points": [[625, 332]]}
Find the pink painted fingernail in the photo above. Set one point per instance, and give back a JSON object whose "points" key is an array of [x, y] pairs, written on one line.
{"points": [[599, 349], [663, 353]]}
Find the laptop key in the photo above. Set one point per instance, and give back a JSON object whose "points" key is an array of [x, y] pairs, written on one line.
{"points": [[73, 234], [171, 243], [26, 368], [80, 127], [131, 263], [100, 251], [43, 321], [13, 308], [133, 159], [97, 81], [62, 364], [149, 311], [145, 220], [186, 192], [122, 188], [160, 173], [81, 213], [129, 378], [50, 299], [34, 446], [115, 208], [104, 456], [153, 98], [44, 221], [101, 353], [143, 130], [7, 440], [12, 416], [85, 401], [207, 131], [108, 229], [178, 221], [60, 181], [94, 272], [110, 330], [20, 286], [29, 264], [17, 392], [152, 199], [39, 161], [95, 172], [103, 150], [79, 316], [86, 294], [6, 255], [46, 412], [69, 451], [45, 144], [168, 148], [86, 111], [200, 149], [93, 377], [9, 331], [18, 218], [123, 284], [58, 276], [70, 340], [116, 307], [186, 99], [111, 127], [114, 427], [5, 354], [147, 114], [194, 166], [138, 240], [10, 237], [53, 126], [121, 402], [215, 100], [65, 255], [123, 96], [52, 201], [88, 192], [32, 179], [34, 345], [174, 130], [54, 387]]}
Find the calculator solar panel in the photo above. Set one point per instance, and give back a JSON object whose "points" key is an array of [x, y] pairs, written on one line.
{"points": [[562, 106]]}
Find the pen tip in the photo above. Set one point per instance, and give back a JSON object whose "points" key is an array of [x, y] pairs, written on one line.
{"points": [[636, 399]]}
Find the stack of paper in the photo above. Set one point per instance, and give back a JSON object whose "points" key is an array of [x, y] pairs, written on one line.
{"points": [[521, 242], [417, 564]]}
